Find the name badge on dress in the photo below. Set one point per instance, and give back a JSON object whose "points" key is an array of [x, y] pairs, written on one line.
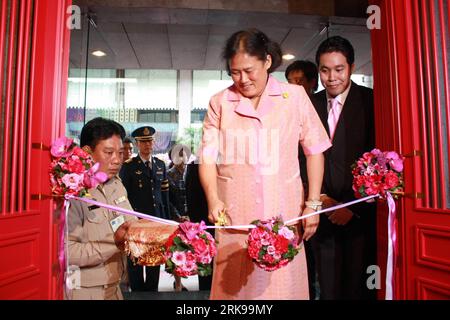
{"points": [[117, 222]]}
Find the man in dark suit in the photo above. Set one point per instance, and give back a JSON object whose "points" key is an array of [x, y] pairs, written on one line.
{"points": [[145, 179], [304, 73], [345, 242], [197, 209]]}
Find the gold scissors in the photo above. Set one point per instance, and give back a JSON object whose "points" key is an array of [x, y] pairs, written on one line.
{"points": [[222, 220]]}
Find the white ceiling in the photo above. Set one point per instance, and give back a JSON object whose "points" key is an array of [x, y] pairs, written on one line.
{"points": [[174, 38]]}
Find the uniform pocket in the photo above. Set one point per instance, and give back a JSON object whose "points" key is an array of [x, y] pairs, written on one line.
{"points": [[96, 216]]}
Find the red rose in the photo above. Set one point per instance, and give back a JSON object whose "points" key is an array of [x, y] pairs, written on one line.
{"points": [[81, 153], [281, 244], [199, 246], [391, 180], [253, 251], [169, 241]]}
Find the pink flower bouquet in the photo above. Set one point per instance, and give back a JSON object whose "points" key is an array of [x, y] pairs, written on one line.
{"points": [[72, 170], [272, 245], [190, 250], [378, 172]]}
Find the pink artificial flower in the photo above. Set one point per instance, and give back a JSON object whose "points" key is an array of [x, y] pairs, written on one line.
{"points": [[374, 185], [391, 180], [376, 152], [60, 147], [396, 164], [190, 266], [282, 244], [205, 259], [287, 233], [277, 256], [81, 153], [181, 272], [271, 247], [94, 177], [199, 245], [253, 251], [179, 258], [73, 181], [192, 229], [265, 241], [395, 161], [271, 250], [359, 181], [197, 249], [74, 165]]}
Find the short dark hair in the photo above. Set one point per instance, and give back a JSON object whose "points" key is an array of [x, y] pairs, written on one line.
{"points": [[255, 43], [99, 129], [336, 44], [308, 68], [127, 140]]}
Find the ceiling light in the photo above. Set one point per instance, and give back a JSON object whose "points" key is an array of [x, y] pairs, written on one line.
{"points": [[288, 56], [98, 53]]}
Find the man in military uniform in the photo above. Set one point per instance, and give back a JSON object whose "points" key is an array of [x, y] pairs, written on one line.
{"points": [[145, 179]]}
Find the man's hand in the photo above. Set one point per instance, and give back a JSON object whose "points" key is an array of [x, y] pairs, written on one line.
{"points": [[182, 219], [341, 216], [327, 202], [120, 234]]}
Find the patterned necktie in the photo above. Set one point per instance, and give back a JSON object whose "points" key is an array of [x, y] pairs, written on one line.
{"points": [[333, 116]]}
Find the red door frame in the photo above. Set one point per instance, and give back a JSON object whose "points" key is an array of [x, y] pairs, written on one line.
{"points": [[28, 232], [402, 80], [49, 93]]}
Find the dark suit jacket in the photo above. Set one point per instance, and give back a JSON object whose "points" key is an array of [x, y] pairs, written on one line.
{"points": [[148, 190], [195, 196], [354, 135]]}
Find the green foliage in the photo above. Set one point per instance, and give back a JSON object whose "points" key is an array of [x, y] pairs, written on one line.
{"points": [[191, 138]]}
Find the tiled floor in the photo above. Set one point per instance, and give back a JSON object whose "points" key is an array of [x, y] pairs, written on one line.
{"points": [[167, 292]]}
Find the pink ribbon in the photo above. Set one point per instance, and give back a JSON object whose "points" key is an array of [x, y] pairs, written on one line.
{"points": [[392, 247], [122, 210], [392, 227], [62, 244]]}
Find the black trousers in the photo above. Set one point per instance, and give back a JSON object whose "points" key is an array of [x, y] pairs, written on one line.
{"points": [[311, 265], [342, 256], [136, 277]]}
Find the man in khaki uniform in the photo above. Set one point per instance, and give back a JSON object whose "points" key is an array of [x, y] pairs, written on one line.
{"points": [[95, 232]]}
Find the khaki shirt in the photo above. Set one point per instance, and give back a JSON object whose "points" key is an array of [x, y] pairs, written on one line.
{"points": [[91, 237]]}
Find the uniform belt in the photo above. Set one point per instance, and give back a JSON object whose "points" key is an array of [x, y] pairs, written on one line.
{"points": [[105, 286]]}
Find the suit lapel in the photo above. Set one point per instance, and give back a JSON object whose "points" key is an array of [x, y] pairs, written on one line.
{"points": [[320, 103], [350, 110]]}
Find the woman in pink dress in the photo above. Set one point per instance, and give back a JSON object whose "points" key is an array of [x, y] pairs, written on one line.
{"points": [[249, 166]]}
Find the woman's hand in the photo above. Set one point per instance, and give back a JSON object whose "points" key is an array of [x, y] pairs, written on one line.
{"points": [[214, 210], [309, 224]]}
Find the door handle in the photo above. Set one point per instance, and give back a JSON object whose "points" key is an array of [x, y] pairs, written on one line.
{"points": [[415, 153], [412, 195]]}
